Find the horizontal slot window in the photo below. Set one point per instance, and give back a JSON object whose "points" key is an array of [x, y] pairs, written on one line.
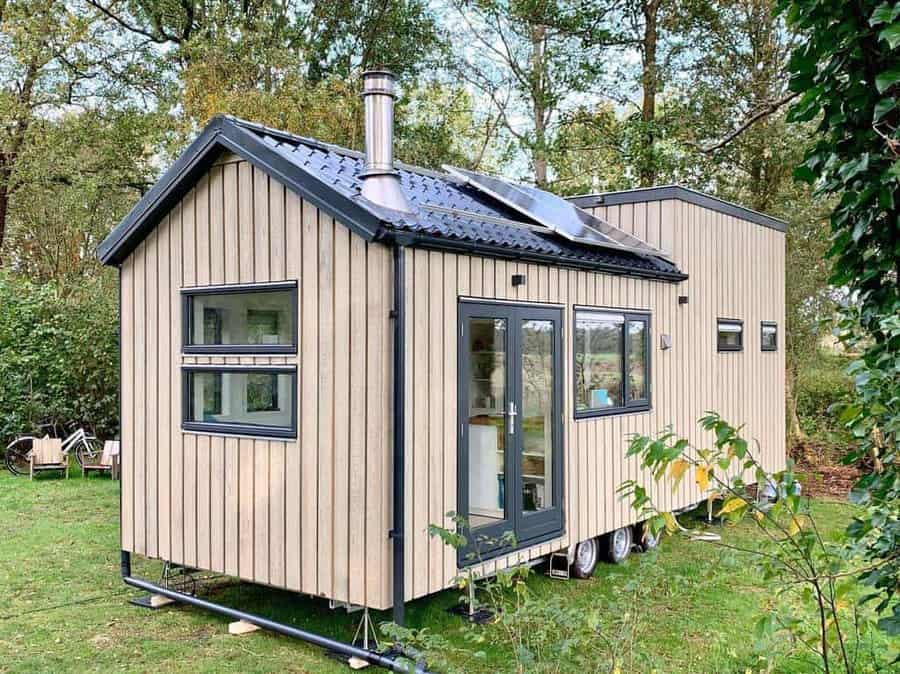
{"points": [[612, 362], [768, 336], [730, 335], [259, 318], [245, 401]]}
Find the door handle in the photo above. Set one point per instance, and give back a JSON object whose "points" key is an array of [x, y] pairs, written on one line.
{"points": [[512, 417]]}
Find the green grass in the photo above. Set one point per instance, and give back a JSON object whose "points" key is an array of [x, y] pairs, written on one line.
{"points": [[64, 608]]}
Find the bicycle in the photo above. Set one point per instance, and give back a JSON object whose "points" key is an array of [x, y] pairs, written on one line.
{"points": [[18, 452]]}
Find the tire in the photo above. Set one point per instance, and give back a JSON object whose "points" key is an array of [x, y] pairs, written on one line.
{"points": [[89, 451], [616, 545], [586, 555], [16, 456], [644, 538]]}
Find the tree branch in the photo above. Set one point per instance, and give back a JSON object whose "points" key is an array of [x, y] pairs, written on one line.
{"points": [[766, 110]]}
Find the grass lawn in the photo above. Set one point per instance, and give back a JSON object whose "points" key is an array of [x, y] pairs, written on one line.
{"points": [[64, 608]]}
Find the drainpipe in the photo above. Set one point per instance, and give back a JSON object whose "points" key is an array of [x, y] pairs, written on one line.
{"points": [[397, 533], [372, 657]]}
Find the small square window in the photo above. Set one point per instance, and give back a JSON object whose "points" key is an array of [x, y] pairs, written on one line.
{"points": [[768, 336], [730, 335]]}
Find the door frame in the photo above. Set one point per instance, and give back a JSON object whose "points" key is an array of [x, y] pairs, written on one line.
{"points": [[540, 525]]}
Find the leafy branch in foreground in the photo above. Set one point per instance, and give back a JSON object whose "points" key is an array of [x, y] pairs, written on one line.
{"points": [[808, 570]]}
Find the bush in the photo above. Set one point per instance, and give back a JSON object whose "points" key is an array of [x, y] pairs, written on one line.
{"points": [[822, 384], [58, 356]]}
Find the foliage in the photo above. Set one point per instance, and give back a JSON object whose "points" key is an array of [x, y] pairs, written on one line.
{"points": [[847, 70], [60, 356], [801, 562], [822, 384]]}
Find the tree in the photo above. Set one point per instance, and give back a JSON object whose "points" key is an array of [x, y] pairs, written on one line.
{"points": [[531, 60], [847, 72]]}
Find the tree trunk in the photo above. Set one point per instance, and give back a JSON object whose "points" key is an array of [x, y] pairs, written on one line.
{"points": [[539, 151], [649, 83], [795, 431]]}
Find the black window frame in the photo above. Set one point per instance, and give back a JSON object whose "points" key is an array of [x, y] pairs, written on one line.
{"points": [[720, 348], [762, 345], [225, 428], [187, 314], [628, 406]]}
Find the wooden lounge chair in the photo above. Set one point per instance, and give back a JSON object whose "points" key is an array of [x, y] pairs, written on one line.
{"points": [[109, 460], [47, 454]]}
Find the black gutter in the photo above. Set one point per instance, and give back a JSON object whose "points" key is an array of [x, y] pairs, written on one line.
{"points": [[429, 242], [386, 661], [398, 314]]}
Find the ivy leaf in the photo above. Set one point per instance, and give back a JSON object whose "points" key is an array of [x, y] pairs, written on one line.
{"points": [[884, 13], [883, 107], [891, 35], [887, 79]]}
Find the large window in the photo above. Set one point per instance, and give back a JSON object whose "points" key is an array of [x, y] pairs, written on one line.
{"points": [[729, 334], [256, 318], [612, 362], [768, 336], [242, 400]]}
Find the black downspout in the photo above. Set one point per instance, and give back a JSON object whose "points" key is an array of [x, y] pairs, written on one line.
{"points": [[396, 534]]}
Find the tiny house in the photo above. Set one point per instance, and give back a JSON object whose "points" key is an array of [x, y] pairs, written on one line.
{"points": [[323, 352]]}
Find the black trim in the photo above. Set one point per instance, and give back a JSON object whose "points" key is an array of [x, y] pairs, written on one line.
{"points": [[223, 428], [226, 132], [762, 344], [399, 458], [429, 242], [628, 406], [392, 660], [685, 194], [726, 348], [187, 295]]}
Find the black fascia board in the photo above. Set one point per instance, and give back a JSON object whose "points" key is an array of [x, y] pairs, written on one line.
{"points": [[644, 194], [418, 240], [220, 133]]}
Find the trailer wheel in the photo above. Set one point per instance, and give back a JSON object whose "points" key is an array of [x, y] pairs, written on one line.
{"points": [[645, 539], [616, 545], [586, 555]]}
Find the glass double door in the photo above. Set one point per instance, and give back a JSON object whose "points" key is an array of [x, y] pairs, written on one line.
{"points": [[510, 472]]}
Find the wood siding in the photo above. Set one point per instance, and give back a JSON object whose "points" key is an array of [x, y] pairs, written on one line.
{"points": [[736, 270], [313, 515], [310, 514]]}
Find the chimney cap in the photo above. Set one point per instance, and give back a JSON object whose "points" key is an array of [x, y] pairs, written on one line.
{"points": [[379, 81]]}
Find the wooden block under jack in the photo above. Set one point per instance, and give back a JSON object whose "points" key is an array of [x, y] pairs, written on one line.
{"points": [[357, 663], [158, 600], [242, 627]]}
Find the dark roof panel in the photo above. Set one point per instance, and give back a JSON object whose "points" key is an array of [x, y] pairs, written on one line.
{"points": [[447, 213]]}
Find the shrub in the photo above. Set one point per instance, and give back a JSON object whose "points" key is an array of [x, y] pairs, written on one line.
{"points": [[58, 356], [822, 384]]}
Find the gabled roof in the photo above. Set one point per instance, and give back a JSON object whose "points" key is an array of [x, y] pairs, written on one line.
{"points": [[686, 194], [448, 215]]}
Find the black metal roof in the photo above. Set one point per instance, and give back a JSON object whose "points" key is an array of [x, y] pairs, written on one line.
{"points": [[663, 192], [448, 215]]}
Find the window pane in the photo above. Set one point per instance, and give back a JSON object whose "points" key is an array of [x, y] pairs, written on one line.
{"points": [[730, 335], [537, 415], [487, 421], [598, 361], [254, 398], [243, 318], [769, 337], [637, 360]]}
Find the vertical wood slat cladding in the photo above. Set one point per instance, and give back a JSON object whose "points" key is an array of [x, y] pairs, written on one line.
{"points": [[313, 514], [736, 270], [310, 514]]}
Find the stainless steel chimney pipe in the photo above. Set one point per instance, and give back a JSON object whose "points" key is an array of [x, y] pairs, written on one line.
{"points": [[380, 180]]}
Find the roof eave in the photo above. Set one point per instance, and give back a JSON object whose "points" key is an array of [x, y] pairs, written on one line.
{"points": [[427, 241]]}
